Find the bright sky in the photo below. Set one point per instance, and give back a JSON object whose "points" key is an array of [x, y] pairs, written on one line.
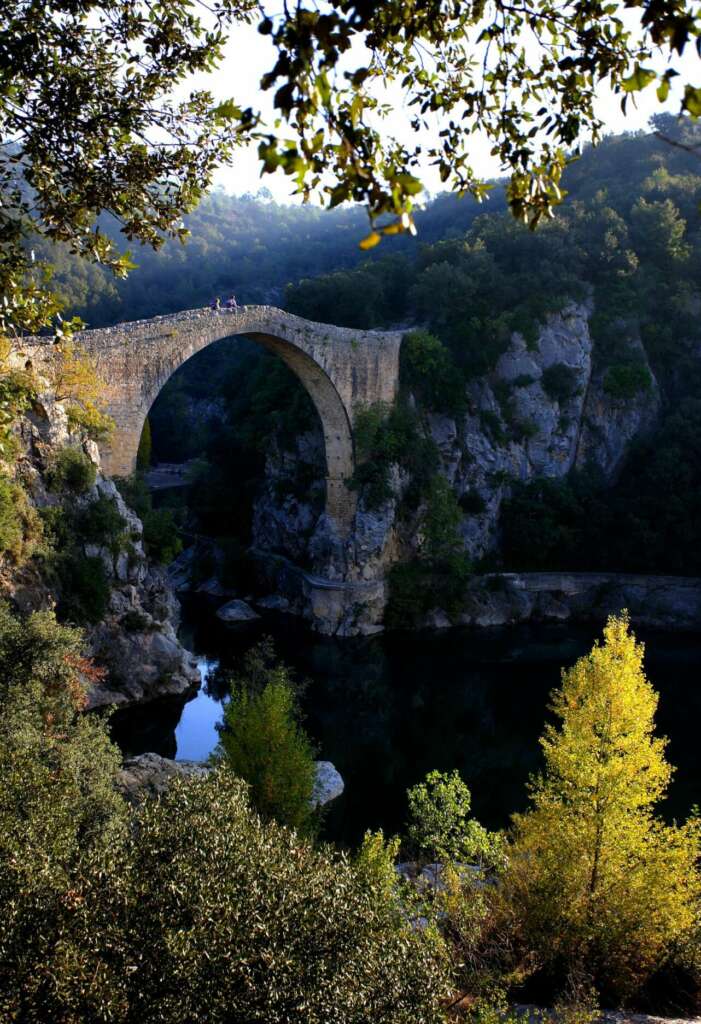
{"points": [[249, 54]]}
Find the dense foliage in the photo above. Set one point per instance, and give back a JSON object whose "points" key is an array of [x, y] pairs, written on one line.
{"points": [[219, 907]]}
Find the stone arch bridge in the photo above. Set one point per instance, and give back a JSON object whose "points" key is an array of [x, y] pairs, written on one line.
{"points": [[342, 370]]}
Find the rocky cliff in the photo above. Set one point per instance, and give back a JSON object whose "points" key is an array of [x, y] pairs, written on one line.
{"points": [[543, 411], [136, 640]]}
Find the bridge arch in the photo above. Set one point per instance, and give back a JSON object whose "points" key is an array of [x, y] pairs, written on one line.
{"points": [[341, 369]]}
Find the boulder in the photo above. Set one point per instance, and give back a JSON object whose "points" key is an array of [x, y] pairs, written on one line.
{"points": [[328, 784], [236, 611]]}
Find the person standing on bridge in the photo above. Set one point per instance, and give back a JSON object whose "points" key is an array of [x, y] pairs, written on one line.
{"points": [[215, 303], [232, 303]]}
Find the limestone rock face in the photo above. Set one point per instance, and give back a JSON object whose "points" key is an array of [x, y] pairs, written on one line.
{"points": [[138, 643], [287, 513], [543, 411], [137, 640], [610, 424], [520, 425], [502, 599]]}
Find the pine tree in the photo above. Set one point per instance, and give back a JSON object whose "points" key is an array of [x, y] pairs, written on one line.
{"points": [[263, 742], [600, 884]]}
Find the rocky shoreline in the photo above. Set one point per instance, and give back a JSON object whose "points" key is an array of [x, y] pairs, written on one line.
{"points": [[149, 775], [500, 599]]}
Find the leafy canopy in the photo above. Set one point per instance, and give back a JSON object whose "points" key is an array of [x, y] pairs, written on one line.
{"points": [[89, 125], [440, 826]]}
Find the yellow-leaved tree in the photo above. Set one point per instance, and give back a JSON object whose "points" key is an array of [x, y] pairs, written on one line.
{"points": [[601, 887], [76, 379]]}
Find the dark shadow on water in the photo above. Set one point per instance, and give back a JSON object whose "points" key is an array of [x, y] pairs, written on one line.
{"points": [[386, 710]]}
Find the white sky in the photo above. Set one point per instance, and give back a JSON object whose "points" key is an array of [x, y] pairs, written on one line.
{"points": [[249, 55]]}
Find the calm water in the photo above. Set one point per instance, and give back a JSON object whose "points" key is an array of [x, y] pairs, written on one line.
{"points": [[388, 709]]}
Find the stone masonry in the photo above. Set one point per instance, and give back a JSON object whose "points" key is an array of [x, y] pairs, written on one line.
{"points": [[342, 370]]}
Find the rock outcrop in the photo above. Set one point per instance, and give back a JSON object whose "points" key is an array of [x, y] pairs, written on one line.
{"points": [[543, 411], [150, 775], [236, 612], [502, 599], [137, 638]]}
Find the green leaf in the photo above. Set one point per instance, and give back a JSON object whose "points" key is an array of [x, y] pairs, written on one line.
{"points": [[692, 101], [640, 78], [227, 111]]}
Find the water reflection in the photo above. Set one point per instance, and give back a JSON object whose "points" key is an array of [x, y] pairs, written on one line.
{"points": [[196, 733], [388, 709]]}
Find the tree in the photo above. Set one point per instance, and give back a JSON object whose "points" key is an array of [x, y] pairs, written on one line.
{"points": [[89, 127], [143, 454], [598, 883], [525, 76], [263, 742]]}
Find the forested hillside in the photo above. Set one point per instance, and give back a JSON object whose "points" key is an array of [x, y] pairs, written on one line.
{"points": [[248, 245]]}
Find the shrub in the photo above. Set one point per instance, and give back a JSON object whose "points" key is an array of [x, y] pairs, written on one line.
{"points": [[440, 828], [263, 742], [386, 437], [72, 471], [419, 586], [428, 370], [100, 522], [523, 380], [60, 817], [135, 622], [472, 503], [523, 430], [491, 422], [161, 535], [135, 493], [17, 391], [223, 915], [94, 423], [20, 524], [441, 520], [243, 920], [626, 380], [560, 382]]}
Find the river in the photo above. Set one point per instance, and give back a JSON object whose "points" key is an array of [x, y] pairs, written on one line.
{"points": [[385, 710]]}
